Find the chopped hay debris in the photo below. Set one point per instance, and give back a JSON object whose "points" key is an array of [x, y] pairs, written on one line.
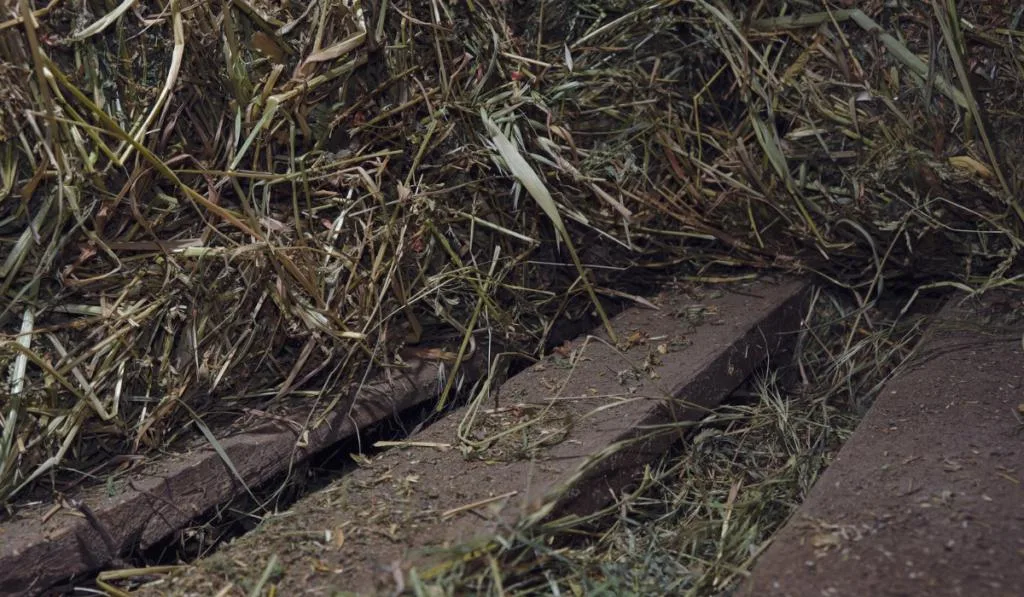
{"points": [[212, 206]]}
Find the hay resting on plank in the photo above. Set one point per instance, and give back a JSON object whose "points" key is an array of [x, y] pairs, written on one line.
{"points": [[208, 207]]}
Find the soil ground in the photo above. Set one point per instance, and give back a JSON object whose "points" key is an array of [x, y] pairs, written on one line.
{"points": [[926, 498]]}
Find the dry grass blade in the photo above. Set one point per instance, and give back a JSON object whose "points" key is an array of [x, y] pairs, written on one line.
{"points": [[947, 18], [267, 573], [535, 186], [172, 77], [217, 447], [106, 20], [16, 385]]}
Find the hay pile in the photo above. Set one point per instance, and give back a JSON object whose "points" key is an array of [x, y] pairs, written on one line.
{"points": [[209, 207]]}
